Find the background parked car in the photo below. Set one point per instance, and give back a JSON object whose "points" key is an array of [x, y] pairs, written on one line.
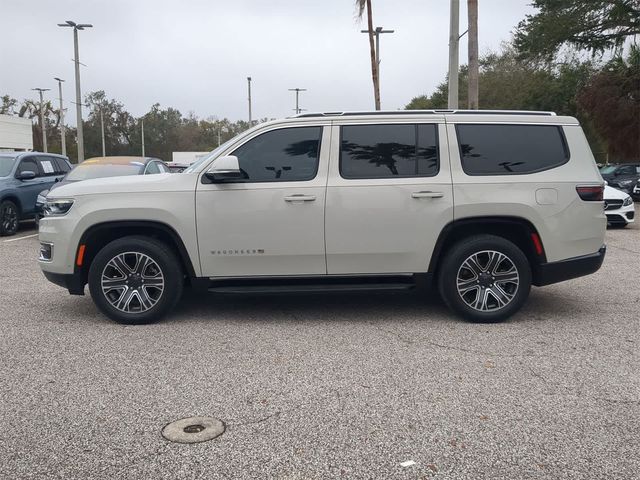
{"points": [[101, 167], [618, 206], [623, 177], [22, 176], [636, 192]]}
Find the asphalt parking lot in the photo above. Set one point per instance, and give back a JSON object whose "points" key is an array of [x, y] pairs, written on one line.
{"points": [[325, 386]]}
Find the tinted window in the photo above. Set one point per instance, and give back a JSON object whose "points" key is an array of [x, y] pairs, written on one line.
{"points": [[510, 149], [48, 165], [288, 154], [388, 151], [163, 168], [627, 170], [152, 167], [63, 166], [28, 165]]}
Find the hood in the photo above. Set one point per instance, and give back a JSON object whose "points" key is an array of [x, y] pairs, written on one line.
{"points": [[611, 193], [161, 182]]}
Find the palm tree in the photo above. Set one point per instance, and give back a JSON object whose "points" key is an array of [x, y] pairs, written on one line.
{"points": [[362, 4], [472, 7]]}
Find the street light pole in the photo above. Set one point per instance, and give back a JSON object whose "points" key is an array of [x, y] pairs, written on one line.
{"points": [[63, 140], [249, 89], [297, 90], [142, 125], [104, 152], [43, 127], [377, 32], [76, 60], [454, 40]]}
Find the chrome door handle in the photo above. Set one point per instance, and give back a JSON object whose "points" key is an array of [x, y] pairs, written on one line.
{"points": [[427, 194], [300, 198]]}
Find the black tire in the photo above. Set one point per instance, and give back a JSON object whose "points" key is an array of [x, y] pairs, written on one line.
{"points": [[9, 218], [499, 281], [135, 312]]}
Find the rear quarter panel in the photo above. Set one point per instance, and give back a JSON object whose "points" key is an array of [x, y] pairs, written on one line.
{"points": [[568, 226]]}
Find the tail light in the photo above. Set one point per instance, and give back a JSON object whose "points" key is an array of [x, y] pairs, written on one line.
{"points": [[591, 193]]}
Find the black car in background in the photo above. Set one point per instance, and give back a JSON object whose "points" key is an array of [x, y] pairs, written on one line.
{"points": [[624, 176], [102, 167]]}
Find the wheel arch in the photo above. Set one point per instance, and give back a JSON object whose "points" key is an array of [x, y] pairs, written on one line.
{"points": [[15, 199], [99, 235], [517, 230]]}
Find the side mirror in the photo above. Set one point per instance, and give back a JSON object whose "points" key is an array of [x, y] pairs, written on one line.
{"points": [[26, 175], [225, 169]]}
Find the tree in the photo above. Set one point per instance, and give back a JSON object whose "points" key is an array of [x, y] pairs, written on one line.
{"points": [[362, 4], [611, 100], [593, 25], [474, 72]]}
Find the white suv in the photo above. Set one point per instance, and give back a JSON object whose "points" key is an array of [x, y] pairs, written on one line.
{"points": [[481, 204]]}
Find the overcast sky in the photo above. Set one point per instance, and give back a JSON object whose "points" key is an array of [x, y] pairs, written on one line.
{"points": [[195, 55]]}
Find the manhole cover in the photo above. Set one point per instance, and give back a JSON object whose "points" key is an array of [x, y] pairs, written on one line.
{"points": [[193, 430]]}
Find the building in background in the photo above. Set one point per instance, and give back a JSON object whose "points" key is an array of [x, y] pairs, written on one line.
{"points": [[186, 158], [16, 134]]}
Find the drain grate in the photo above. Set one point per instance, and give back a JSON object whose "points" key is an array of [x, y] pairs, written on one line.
{"points": [[193, 430]]}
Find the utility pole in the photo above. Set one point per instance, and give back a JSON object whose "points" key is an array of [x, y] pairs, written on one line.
{"points": [[454, 40], [43, 127], [142, 126], [76, 60], [249, 88], [297, 90], [104, 152], [63, 140], [377, 32], [474, 67]]}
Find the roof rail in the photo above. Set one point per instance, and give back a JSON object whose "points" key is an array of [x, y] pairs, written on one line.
{"points": [[427, 112]]}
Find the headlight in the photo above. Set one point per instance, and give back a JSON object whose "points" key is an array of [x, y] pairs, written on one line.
{"points": [[58, 207], [41, 200], [627, 202]]}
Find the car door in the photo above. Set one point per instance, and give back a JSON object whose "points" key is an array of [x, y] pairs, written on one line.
{"points": [[389, 196], [28, 189], [271, 222], [49, 170]]}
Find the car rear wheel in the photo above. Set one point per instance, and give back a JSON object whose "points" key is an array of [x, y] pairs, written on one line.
{"points": [[135, 280], [485, 278], [8, 218]]}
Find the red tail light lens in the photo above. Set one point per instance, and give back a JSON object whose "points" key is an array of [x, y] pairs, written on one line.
{"points": [[591, 193]]}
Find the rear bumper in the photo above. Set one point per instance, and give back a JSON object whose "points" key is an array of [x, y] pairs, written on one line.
{"points": [[72, 282], [554, 272]]}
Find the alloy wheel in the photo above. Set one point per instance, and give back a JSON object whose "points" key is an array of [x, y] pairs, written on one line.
{"points": [[487, 281], [132, 282], [9, 218]]}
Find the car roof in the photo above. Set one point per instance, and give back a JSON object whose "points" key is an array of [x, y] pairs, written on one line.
{"points": [[118, 160]]}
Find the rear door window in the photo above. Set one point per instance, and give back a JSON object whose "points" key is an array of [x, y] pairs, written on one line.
{"points": [[388, 151], [48, 166], [63, 166], [492, 149]]}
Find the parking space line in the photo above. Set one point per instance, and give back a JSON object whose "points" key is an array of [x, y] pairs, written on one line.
{"points": [[20, 238]]}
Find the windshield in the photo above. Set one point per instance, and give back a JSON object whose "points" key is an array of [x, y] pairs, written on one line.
{"points": [[608, 169], [208, 157], [6, 164], [101, 170]]}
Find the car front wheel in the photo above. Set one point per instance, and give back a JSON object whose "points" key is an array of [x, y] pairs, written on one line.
{"points": [[485, 278], [135, 280], [8, 218]]}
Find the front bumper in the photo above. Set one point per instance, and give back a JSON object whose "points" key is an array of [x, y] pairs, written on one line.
{"points": [[74, 282], [554, 272]]}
